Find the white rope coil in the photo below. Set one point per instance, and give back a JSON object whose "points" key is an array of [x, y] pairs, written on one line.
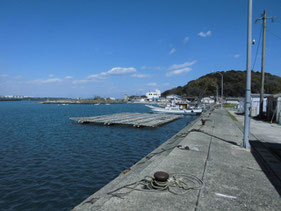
{"points": [[178, 184]]}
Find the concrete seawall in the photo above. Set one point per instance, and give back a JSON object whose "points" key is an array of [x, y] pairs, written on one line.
{"points": [[234, 178]]}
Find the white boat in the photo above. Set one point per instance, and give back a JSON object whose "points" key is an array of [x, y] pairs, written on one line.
{"points": [[176, 110], [97, 104]]}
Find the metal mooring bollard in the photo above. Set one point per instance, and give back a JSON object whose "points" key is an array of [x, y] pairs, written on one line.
{"points": [[160, 180], [203, 121], [161, 176]]}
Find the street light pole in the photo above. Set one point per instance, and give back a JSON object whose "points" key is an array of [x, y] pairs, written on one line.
{"points": [[213, 72], [221, 89], [217, 97], [247, 106]]}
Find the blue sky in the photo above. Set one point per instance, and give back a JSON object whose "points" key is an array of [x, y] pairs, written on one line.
{"points": [[71, 48]]}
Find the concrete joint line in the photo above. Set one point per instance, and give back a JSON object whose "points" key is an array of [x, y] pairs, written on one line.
{"points": [[205, 167]]}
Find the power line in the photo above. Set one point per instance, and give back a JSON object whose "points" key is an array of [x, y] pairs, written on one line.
{"points": [[275, 35], [276, 21], [257, 49]]}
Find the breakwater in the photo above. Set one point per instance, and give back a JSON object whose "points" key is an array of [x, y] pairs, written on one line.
{"points": [[208, 171]]}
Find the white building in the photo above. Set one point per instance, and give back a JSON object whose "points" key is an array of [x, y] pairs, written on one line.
{"points": [[274, 108], [153, 95], [208, 100], [126, 97], [232, 100], [173, 97], [255, 104]]}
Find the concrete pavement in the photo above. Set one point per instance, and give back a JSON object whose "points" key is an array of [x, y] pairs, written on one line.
{"points": [[265, 131], [234, 178], [265, 141]]}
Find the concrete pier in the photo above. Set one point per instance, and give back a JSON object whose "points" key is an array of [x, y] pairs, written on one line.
{"points": [[234, 178]]}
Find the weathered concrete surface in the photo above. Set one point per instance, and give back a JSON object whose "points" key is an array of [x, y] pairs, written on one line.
{"points": [[234, 180], [264, 131], [265, 141]]}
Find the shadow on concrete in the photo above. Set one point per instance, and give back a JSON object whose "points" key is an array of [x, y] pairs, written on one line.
{"points": [[263, 119], [240, 113], [268, 156], [219, 138]]}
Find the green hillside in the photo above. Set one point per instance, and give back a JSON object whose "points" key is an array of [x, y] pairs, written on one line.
{"points": [[234, 85]]}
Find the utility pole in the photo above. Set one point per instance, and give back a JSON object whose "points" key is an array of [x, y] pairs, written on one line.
{"points": [[247, 106], [263, 18]]}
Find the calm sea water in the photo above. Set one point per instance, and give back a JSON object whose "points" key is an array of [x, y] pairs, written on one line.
{"points": [[48, 162]]}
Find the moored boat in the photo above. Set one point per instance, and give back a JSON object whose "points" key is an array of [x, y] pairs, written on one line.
{"points": [[176, 109]]}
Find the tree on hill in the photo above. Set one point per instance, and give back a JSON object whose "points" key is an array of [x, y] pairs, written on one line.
{"points": [[234, 85]]}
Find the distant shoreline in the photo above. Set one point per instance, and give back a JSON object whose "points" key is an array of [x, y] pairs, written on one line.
{"points": [[99, 101], [94, 102], [10, 99]]}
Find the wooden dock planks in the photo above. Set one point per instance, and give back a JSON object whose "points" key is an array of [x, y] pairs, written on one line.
{"points": [[134, 119]]}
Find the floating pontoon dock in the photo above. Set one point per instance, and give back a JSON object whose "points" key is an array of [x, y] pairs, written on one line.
{"points": [[134, 119]]}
